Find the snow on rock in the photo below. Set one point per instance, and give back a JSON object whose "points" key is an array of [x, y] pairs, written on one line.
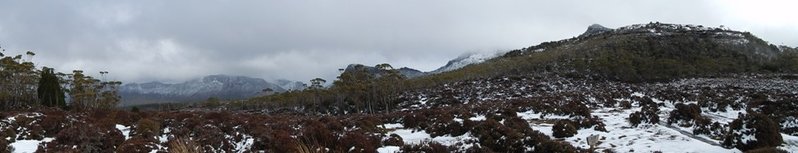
{"points": [[477, 118], [388, 149], [465, 60], [245, 144], [125, 130], [392, 126], [411, 137]]}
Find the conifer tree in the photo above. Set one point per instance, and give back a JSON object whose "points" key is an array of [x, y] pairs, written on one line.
{"points": [[49, 92]]}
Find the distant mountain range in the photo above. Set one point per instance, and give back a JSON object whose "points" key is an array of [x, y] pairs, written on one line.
{"points": [[454, 64], [240, 87], [219, 86]]}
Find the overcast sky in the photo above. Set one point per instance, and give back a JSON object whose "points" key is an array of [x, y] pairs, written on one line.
{"points": [[143, 40]]}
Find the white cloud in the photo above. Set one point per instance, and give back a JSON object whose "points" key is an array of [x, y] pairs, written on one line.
{"points": [[770, 13], [105, 15]]}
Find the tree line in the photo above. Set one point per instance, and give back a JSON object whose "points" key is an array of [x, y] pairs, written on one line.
{"points": [[360, 89], [25, 86]]}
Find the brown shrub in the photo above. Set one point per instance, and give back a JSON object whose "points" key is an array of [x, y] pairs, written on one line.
{"points": [[127, 118], [563, 128], [212, 138], [626, 104], [415, 120], [576, 108], [316, 132], [647, 116], [635, 118], [498, 137], [456, 129], [429, 147], [555, 147], [4, 148], [333, 124], [275, 141], [478, 149], [761, 127], [683, 114], [147, 128], [137, 144], [52, 122], [393, 140], [180, 145], [368, 123], [358, 141], [517, 124], [87, 138], [34, 130], [8, 133]]}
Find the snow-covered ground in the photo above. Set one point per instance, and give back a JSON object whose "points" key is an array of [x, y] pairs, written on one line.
{"points": [[622, 137], [414, 137]]}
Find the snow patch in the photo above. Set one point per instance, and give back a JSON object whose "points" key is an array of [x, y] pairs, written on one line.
{"points": [[388, 149], [28, 146]]}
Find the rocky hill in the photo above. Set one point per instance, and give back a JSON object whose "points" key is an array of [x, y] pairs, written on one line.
{"points": [[642, 53]]}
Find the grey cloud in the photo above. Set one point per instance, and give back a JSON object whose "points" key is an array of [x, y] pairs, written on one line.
{"points": [[175, 40]]}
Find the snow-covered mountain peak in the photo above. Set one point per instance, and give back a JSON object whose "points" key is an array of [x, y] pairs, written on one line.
{"points": [[465, 60]]}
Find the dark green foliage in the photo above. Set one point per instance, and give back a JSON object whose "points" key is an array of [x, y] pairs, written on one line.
{"points": [[49, 92]]}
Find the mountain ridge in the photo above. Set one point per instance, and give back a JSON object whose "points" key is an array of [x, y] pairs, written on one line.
{"points": [[219, 86], [640, 53]]}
